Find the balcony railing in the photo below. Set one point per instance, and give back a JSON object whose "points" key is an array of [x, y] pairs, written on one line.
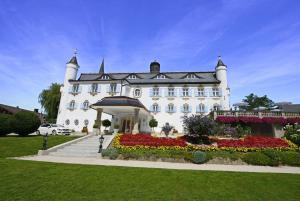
{"points": [[255, 114]]}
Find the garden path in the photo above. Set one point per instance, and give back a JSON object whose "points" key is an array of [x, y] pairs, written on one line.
{"points": [[162, 165]]}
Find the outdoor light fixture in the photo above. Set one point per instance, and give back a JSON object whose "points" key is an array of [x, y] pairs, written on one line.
{"points": [[101, 139], [45, 141]]}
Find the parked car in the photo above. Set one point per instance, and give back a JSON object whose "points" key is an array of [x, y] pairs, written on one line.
{"points": [[53, 129]]}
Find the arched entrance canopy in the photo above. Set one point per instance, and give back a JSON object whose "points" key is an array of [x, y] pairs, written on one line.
{"points": [[129, 113]]}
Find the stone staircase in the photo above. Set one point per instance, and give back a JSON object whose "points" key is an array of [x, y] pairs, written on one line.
{"points": [[87, 147]]}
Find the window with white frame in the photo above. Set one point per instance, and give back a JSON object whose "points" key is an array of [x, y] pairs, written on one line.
{"points": [[67, 122], [113, 88], [186, 108], [155, 91], [216, 107], [132, 76], [185, 91], [75, 88], [85, 105], [190, 76], [201, 92], [171, 107], [86, 122], [137, 92], [155, 107], [201, 107], [94, 88], [171, 91], [72, 105], [105, 77], [215, 92], [76, 122], [161, 76]]}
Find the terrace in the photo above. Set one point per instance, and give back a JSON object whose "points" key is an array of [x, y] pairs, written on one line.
{"points": [[259, 114]]}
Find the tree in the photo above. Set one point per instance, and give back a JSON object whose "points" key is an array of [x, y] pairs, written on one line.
{"points": [[153, 123], [106, 123], [255, 101], [198, 128], [49, 100], [25, 122], [5, 124]]}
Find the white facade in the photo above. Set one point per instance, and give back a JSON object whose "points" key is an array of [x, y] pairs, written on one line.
{"points": [[168, 101]]}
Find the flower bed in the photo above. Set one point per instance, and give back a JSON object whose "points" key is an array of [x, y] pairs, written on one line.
{"points": [[254, 141], [148, 140], [249, 143]]}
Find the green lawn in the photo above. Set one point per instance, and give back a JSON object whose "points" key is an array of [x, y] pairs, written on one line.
{"points": [[21, 146], [25, 180]]}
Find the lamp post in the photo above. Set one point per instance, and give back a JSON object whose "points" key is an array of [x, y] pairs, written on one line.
{"points": [[101, 139], [45, 141]]}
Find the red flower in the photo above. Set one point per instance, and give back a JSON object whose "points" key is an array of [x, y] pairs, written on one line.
{"points": [[148, 140], [254, 141]]}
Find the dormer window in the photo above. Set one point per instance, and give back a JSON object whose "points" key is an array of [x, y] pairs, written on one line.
{"points": [[105, 77], [132, 77], [160, 76], [190, 76]]}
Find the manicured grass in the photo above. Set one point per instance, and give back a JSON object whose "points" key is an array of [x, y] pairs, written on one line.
{"points": [[23, 180], [20, 146], [27, 180]]}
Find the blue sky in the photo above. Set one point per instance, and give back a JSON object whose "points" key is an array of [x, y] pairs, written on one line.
{"points": [[259, 41]]}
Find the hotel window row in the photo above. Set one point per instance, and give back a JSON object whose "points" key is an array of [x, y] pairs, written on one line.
{"points": [[186, 92], [95, 88], [185, 108], [72, 105]]}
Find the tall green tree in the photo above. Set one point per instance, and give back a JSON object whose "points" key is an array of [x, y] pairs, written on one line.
{"points": [[255, 101], [49, 100]]}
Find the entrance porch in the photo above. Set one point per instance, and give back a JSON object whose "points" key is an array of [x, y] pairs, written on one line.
{"points": [[129, 114]]}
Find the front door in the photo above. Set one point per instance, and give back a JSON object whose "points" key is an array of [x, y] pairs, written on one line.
{"points": [[127, 125]]}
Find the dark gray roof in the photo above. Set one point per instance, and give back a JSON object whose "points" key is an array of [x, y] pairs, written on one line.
{"points": [[102, 67], [148, 78], [290, 108], [11, 109], [119, 101], [73, 61], [220, 62]]}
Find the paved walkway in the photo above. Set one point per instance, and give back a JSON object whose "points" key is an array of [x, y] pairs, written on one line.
{"points": [[162, 165]]}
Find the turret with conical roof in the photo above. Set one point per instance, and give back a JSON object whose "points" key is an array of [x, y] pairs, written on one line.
{"points": [[221, 75], [71, 69]]}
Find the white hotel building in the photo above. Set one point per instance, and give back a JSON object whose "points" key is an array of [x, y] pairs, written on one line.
{"points": [[132, 99]]}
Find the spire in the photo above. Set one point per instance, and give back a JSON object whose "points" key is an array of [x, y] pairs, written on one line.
{"points": [[220, 62], [102, 67], [74, 59]]}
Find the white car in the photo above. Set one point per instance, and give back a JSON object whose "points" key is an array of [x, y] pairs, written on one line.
{"points": [[53, 129]]}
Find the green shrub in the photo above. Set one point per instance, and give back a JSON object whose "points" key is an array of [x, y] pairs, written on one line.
{"points": [[25, 122], [273, 155], [291, 158], [292, 133], [224, 154], [5, 124], [106, 123], [111, 153], [257, 158], [153, 123], [198, 157]]}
